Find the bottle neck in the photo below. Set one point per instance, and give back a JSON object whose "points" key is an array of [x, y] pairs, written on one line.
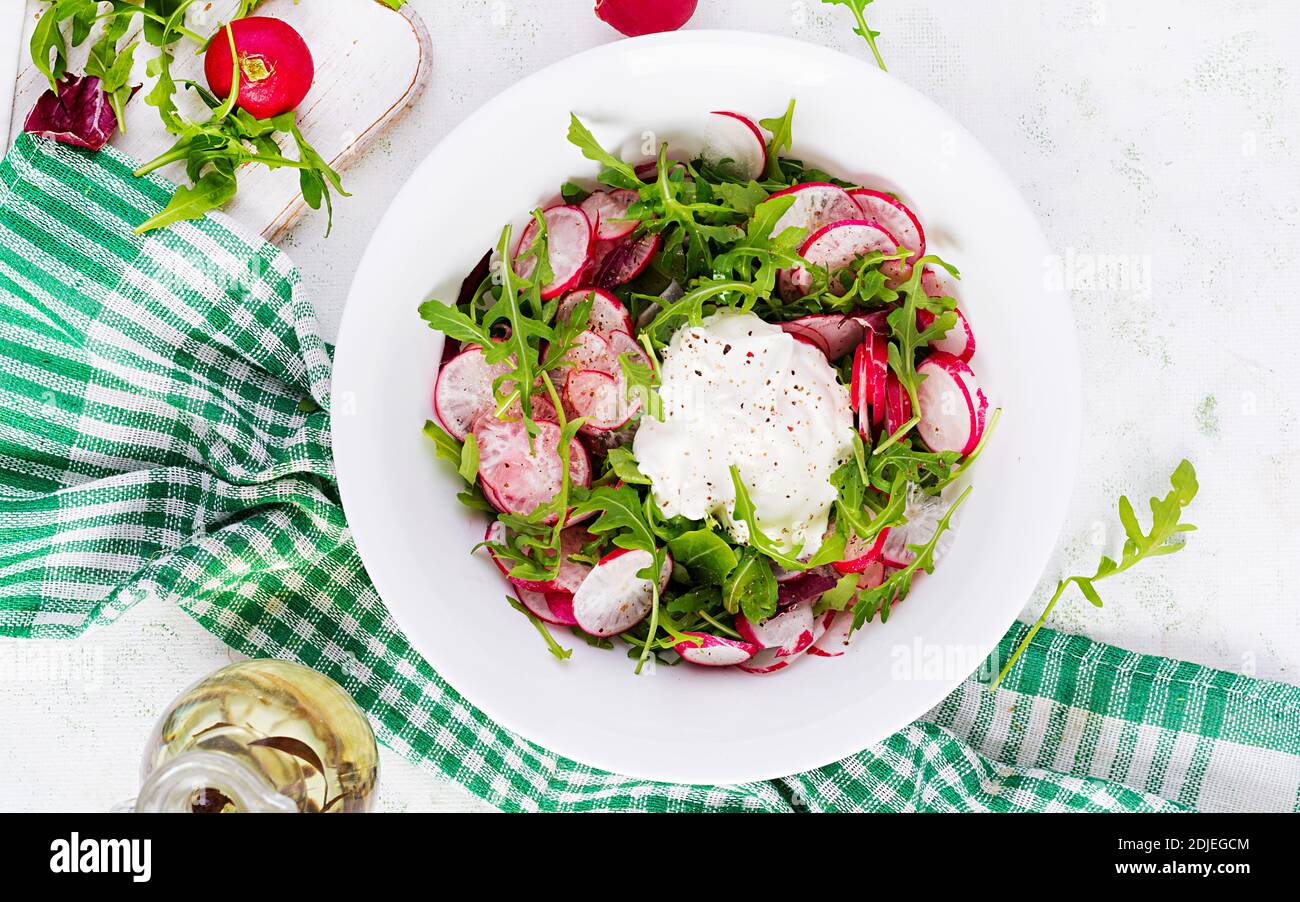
{"points": [[201, 780]]}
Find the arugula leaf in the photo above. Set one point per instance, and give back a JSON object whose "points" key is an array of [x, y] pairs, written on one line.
{"points": [[47, 38], [1166, 525], [745, 512], [623, 465], [782, 130], [213, 189], [621, 515], [613, 172], [469, 460], [861, 29], [743, 198], [462, 455], [704, 554], [838, 597], [751, 587]]}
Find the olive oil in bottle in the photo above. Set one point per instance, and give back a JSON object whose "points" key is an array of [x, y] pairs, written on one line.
{"points": [[261, 735]]}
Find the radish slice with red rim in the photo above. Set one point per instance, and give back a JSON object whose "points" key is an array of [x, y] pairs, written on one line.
{"points": [[815, 204], [497, 534], [599, 397], [569, 240], [835, 247], [607, 312], [835, 333], [808, 336], [463, 390], [835, 640], [895, 217], [715, 651], [555, 608], [589, 351], [923, 513], [878, 375], [607, 211], [613, 598], [627, 260], [898, 405], [736, 144], [959, 341], [621, 343], [859, 555], [789, 632], [516, 479], [952, 405], [571, 573]]}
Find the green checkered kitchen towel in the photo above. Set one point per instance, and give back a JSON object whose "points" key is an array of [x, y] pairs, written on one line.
{"points": [[164, 429]]}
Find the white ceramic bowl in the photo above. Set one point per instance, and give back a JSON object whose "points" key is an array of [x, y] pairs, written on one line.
{"points": [[685, 723]]}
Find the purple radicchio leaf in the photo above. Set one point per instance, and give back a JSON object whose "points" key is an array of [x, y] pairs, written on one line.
{"points": [[79, 114], [804, 587]]}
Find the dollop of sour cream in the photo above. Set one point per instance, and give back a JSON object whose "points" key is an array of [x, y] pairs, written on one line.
{"points": [[738, 390]]}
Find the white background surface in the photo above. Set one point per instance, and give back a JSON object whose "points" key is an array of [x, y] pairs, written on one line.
{"points": [[1164, 133]]}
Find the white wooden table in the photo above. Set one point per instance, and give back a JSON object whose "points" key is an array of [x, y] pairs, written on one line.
{"points": [[1164, 133]]}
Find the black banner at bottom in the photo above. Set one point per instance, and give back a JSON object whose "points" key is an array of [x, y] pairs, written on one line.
{"points": [[331, 853]]}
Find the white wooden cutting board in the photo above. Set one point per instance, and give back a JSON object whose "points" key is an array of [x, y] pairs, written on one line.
{"points": [[371, 63]]}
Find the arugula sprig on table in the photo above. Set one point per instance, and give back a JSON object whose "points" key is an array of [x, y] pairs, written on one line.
{"points": [[858, 8], [1166, 526]]}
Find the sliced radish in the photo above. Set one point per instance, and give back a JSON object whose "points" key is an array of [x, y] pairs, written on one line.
{"points": [[463, 391], [834, 333], [569, 240], [898, 405], [807, 336], [878, 375], [497, 534], [936, 284], [816, 204], [607, 211], [627, 260], [834, 247], [715, 651], [552, 607], [859, 555], [835, 639], [839, 624], [613, 598], [601, 398], [621, 343], [589, 351], [959, 341], [895, 217], [952, 404], [790, 631], [516, 479], [737, 142], [571, 574], [774, 658], [859, 389], [607, 312], [923, 513]]}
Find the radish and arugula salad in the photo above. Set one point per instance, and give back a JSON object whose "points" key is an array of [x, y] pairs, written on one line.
{"points": [[572, 347]]}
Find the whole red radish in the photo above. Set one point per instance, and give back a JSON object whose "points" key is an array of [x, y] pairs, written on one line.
{"points": [[275, 66], [636, 17]]}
